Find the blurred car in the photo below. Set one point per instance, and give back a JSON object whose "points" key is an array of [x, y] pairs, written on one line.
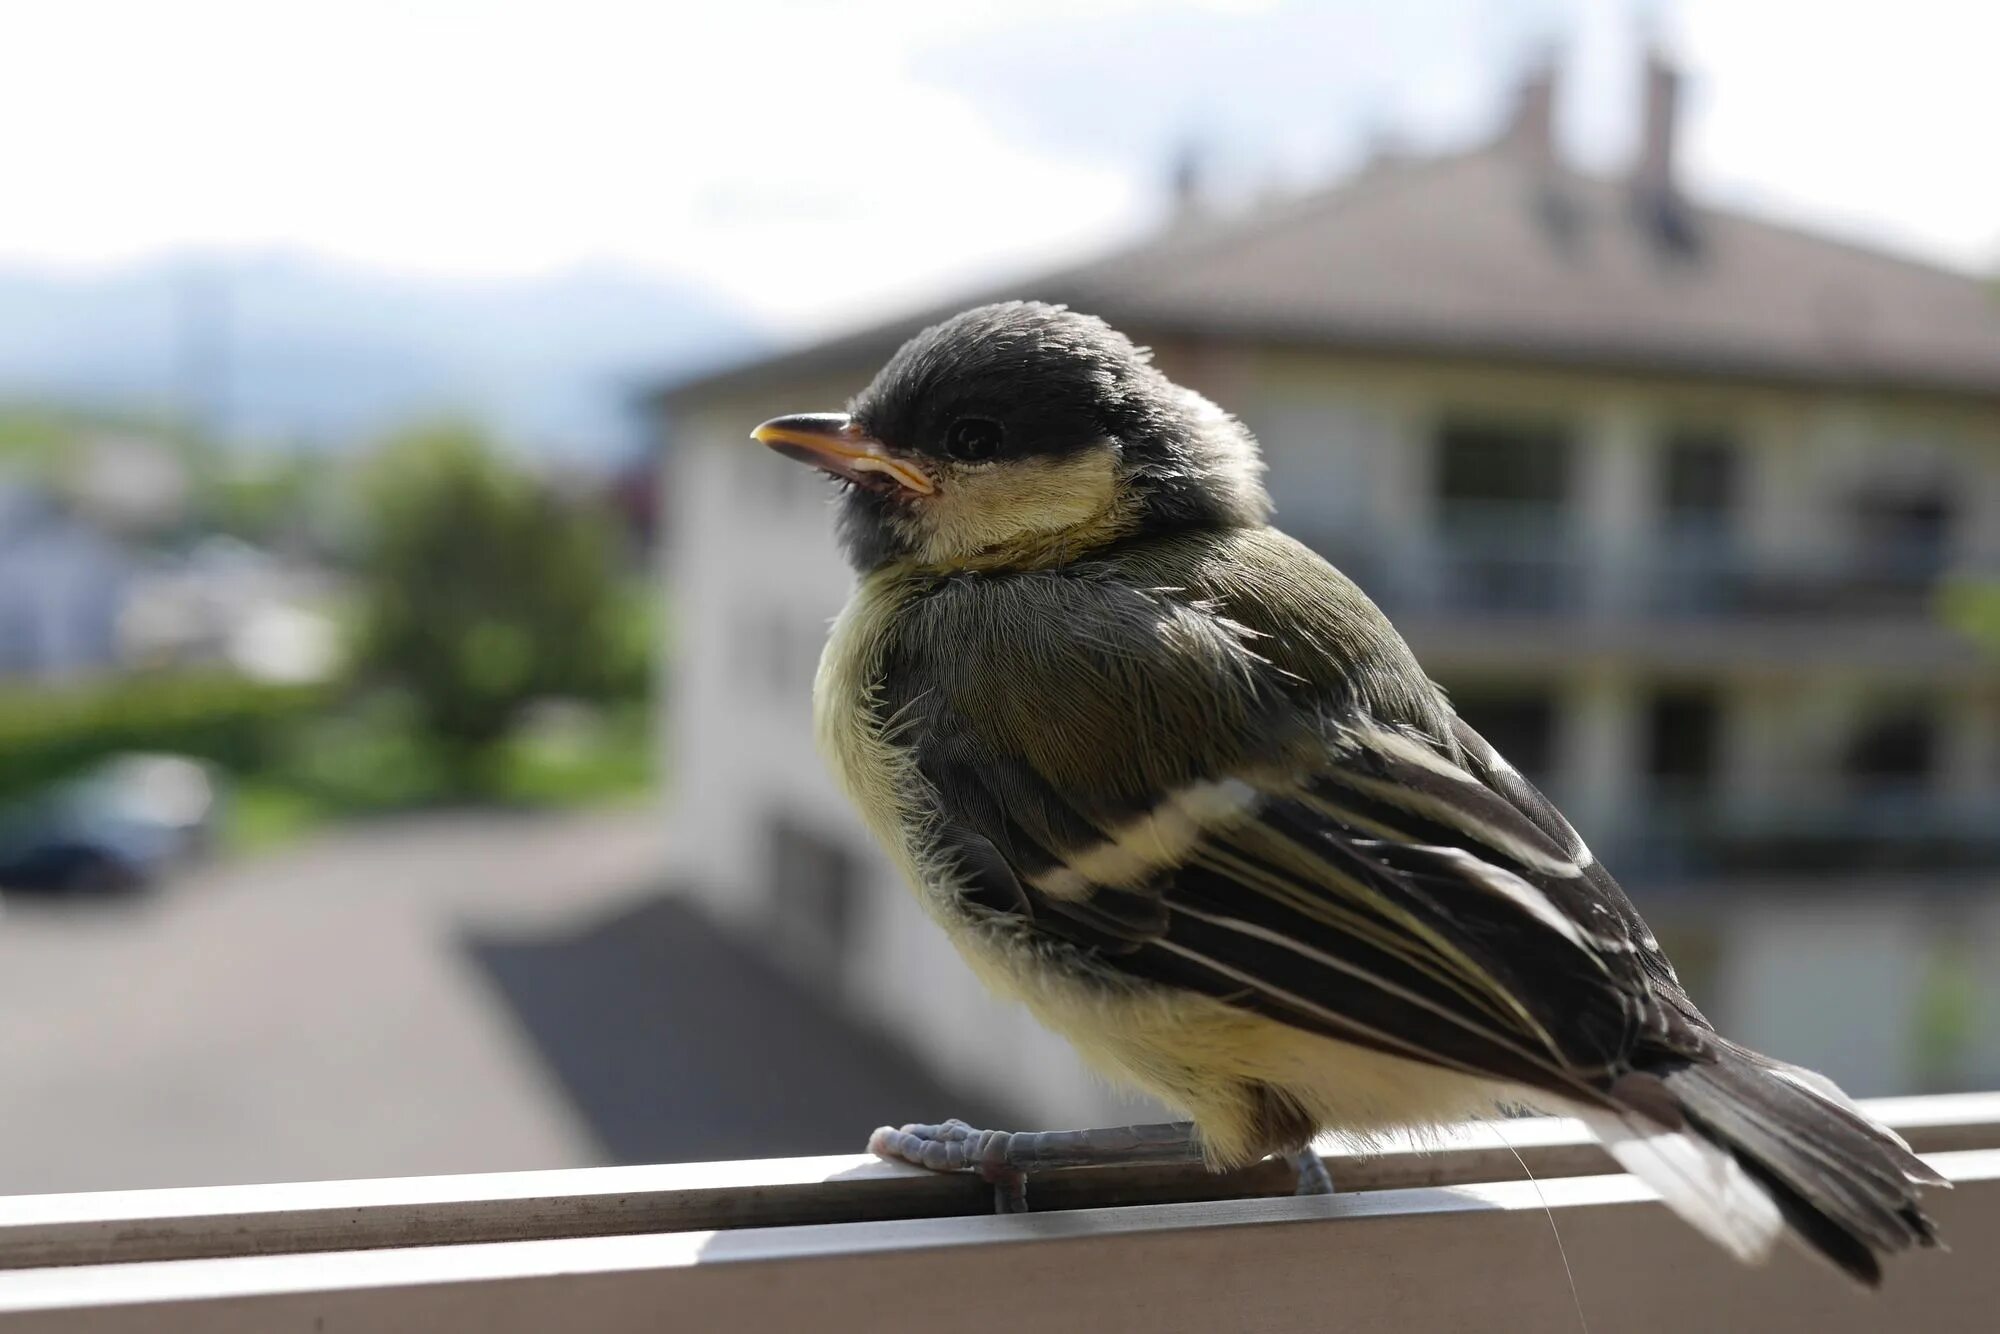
{"points": [[118, 827]]}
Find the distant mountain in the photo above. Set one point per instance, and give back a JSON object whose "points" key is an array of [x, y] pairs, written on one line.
{"points": [[298, 351]]}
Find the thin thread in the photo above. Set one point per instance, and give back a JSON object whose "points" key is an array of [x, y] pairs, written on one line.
{"points": [[1554, 1231]]}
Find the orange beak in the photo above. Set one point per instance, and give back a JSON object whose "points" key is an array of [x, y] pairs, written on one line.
{"points": [[829, 440]]}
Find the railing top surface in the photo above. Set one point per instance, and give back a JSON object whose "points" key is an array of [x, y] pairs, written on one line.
{"points": [[1455, 1237], [210, 1221]]}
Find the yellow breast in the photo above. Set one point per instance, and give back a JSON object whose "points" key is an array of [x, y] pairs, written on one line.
{"points": [[879, 777]]}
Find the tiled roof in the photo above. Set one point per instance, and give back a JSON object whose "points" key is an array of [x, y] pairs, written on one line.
{"points": [[1494, 254]]}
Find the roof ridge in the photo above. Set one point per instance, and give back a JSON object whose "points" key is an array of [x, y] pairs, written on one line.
{"points": [[1706, 205], [1359, 271], [1272, 215]]}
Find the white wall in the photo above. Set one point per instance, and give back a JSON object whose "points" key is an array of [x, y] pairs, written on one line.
{"points": [[755, 578], [1831, 984]]}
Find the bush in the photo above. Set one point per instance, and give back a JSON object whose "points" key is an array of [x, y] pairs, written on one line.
{"points": [[482, 592], [48, 734]]}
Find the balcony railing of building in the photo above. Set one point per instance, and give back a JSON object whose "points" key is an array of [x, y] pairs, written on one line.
{"points": [[1670, 839], [1525, 562], [1452, 1235]]}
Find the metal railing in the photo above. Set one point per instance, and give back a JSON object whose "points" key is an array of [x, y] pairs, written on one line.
{"points": [[1515, 562], [1450, 1234], [1910, 832]]}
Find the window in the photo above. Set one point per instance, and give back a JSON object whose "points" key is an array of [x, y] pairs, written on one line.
{"points": [[1682, 726], [1896, 747], [1503, 492], [1698, 481], [1902, 537], [1485, 463], [1519, 722]]}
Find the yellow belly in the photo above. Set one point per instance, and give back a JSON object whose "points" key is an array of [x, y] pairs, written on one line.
{"points": [[1207, 1059]]}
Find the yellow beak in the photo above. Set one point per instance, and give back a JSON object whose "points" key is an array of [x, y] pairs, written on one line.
{"points": [[829, 440]]}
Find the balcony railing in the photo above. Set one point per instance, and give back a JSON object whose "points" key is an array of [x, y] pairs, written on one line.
{"points": [[1917, 833], [1541, 563], [1454, 1237]]}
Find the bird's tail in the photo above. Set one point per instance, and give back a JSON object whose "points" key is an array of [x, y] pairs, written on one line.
{"points": [[1746, 1148]]}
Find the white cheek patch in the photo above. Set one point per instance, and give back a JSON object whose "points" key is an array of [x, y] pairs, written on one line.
{"points": [[979, 508]]}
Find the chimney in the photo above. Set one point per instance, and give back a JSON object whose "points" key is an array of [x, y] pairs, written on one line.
{"points": [[1654, 173], [1656, 195], [1184, 179], [1531, 131], [1530, 139]]}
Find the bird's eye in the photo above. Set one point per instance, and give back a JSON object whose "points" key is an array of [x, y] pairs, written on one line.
{"points": [[972, 439]]}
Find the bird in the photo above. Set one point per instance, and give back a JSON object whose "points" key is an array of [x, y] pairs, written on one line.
{"points": [[1169, 779]]}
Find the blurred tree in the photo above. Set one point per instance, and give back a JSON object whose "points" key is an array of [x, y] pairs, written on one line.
{"points": [[275, 499], [482, 590]]}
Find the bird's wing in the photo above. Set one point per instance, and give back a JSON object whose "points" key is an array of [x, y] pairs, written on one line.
{"points": [[1133, 777]]}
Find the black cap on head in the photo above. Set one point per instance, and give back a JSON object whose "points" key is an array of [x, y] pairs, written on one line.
{"points": [[1051, 380], [1054, 402]]}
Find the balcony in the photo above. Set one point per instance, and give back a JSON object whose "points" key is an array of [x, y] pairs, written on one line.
{"points": [[1452, 1237], [1534, 563], [1917, 834]]}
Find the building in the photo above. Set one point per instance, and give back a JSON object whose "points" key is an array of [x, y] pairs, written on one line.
{"points": [[223, 602], [63, 584], [1664, 494]]}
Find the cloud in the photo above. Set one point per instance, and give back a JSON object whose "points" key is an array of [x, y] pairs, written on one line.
{"points": [[783, 153], [1877, 120], [818, 161]]}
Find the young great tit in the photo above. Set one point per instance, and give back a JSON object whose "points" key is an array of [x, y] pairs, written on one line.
{"points": [[1171, 780]]}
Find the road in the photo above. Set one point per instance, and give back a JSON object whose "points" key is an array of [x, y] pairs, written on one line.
{"points": [[306, 1014]]}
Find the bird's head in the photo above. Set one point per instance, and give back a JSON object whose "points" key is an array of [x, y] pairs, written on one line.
{"points": [[1022, 434]]}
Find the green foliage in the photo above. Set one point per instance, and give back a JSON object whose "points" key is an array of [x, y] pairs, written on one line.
{"points": [[1972, 607], [1946, 1023], [481, 596], [273, 499], [47, 735], [263, 814], [43, 442], [594, 756], [483, 591], [369, 758], [35, 440]]}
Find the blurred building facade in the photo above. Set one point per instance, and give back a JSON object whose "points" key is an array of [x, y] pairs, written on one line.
{"points": [[63, 585], [1664, 495]]}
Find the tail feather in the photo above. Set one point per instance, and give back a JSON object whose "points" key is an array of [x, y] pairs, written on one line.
{"points": [[1835, 1098], [1696, 1178], [1760, 1147]]}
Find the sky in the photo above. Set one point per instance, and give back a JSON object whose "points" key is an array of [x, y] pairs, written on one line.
{"points": [[818, 163]]}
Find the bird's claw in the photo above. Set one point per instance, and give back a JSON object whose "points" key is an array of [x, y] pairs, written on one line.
{"points": [[954, 1146]]}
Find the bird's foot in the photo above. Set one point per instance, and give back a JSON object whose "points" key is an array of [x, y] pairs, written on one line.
{"points": [[1004, 1158], [1314, 1179], [954, 1146]]}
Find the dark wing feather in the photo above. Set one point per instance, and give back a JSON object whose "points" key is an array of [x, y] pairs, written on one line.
{"points": [[1349, 875]]}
